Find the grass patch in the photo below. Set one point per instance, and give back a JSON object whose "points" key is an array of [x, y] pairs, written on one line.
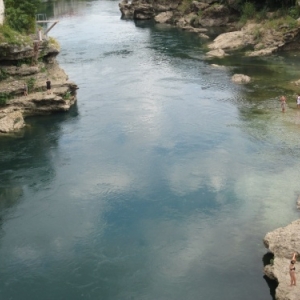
{"points": [[54, 43], [282, 23], [10, 36]]}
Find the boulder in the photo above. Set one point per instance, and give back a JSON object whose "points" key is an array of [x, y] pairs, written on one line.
{"points": [[232, 40], [10, 120], [240, 78], [164, 17], [215, 15], [216, 53]]}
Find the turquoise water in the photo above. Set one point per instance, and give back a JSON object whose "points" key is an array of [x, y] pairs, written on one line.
{"points": [[160, 183]]}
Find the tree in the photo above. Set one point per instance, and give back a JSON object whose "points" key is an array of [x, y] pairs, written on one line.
{"points": [[20, 15]]}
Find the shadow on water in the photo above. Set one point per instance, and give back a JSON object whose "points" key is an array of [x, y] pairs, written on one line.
{"points": [[26, 158]]}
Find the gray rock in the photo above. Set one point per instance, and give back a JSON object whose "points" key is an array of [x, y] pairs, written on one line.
{"points": [[240, 79], [283, 242], [11, 120]]}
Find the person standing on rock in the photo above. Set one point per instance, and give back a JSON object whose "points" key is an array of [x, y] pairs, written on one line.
{"points": [[298, 100], [48, 86], [283, 103], [25, 90], [293, 270]]}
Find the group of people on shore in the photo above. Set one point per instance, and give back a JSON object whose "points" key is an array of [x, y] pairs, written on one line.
{"points": [[283, 102]]}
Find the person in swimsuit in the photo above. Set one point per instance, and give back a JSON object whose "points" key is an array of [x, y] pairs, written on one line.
{"points": [[298, 100], [293, 270], [283, 103]]}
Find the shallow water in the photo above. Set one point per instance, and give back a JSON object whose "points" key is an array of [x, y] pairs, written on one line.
{"points": [[161, 182]]}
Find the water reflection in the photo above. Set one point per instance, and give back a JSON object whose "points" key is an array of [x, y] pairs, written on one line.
{"points": [[154, 191], [63, 8]]}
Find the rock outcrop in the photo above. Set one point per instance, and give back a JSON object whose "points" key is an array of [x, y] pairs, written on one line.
{"points": [[31, 66], [259, 39], [283, 242]]}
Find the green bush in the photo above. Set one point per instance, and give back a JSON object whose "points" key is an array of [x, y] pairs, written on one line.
{"points": [[20, 15], [248, 10], [3, 74], [4, 97], [30, 84], [67, 95]]}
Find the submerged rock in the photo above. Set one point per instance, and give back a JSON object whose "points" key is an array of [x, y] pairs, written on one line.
{"points": [[11, 121], [240, 78]]}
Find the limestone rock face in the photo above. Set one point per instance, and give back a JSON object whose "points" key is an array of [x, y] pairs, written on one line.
{"points": [[232, 40], [34, 75], [240, 79], [215, 15], [1, 12], [283, 242], [164, 17], [11, 121]]}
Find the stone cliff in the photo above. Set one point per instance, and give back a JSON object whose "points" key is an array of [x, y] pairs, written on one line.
{"points": [[283, 242], [31, 64]]}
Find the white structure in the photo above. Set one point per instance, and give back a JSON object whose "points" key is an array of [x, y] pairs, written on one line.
{"points": [[1, 12]]}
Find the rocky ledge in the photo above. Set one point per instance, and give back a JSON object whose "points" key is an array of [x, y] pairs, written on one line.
{"points": [[198, 16], [31, 65], [283, 242]]}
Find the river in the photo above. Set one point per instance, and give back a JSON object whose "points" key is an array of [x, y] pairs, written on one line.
{"points": [[164, 178]]}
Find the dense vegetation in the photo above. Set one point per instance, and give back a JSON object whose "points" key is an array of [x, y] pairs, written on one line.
{"points": [[20, 14]]}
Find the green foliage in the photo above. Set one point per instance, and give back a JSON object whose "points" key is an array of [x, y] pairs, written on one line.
{"points": [[10, 36], [257, 34], [20, 14], [54, 43], [30, 83], [248, 10], [3, 74], [185, 6], [293, 12], [283, 23], [67, 95], [4, 97]]}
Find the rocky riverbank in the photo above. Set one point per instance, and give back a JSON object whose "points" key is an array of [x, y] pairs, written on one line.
{"points": [[283, 242], [197, 16], [31, 65], [270, 35]]}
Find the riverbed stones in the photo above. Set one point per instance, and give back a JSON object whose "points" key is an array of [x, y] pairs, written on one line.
{"points": [[283, 242], [240, 79], [216, 53]]}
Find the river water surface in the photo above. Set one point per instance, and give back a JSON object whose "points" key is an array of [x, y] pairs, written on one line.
{"points": [[161, 182]]}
